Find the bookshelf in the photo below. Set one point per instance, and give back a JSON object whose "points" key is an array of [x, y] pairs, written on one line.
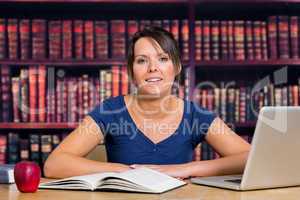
{"points": [[190, 11]]}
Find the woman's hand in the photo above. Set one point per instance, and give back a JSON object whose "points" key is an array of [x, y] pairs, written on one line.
{"points": [[180, 171]]}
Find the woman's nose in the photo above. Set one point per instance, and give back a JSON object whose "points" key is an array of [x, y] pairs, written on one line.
{"points": [[152, 66]]}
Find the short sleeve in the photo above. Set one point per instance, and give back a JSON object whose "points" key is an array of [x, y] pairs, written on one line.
{"points": [[101, 115], [202, 119]]}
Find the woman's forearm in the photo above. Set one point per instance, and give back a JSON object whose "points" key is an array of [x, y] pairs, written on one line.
{"points": [[64, 165], [234, 164]]}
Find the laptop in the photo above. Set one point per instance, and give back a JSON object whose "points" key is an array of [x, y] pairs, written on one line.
{"points": [[273, 160]]}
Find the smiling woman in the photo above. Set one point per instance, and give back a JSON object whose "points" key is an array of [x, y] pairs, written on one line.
{"points": [[151, 127]]}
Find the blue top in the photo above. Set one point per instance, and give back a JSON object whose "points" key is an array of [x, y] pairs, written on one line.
{"points": [[126, 144]]}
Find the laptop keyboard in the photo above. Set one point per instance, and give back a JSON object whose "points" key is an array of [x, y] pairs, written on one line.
{"points": [[235, 180]]}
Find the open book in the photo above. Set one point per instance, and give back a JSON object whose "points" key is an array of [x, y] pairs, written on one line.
{"points": [[136, 180]]}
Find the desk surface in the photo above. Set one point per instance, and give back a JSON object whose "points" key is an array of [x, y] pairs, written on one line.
{"points": [[188, 192]]}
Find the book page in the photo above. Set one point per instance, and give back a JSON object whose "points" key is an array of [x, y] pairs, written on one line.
{"points": [[90, 180], [151, 179]]}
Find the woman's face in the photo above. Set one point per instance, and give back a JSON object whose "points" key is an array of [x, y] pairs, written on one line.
{"points": [[153, 69]]}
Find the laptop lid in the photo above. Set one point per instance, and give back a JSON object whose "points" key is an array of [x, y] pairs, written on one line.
{"points": [[273, 159]]}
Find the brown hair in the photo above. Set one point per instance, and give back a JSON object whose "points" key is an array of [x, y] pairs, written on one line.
{"points": [[165, 40]]}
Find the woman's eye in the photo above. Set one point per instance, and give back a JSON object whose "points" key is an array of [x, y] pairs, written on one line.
{"points": [[163, 59], [141, 61]]}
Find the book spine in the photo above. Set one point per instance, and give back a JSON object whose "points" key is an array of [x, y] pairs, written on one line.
{"points": [[12, 33], [3, 44], [230, 40], [257, 40], [264, 45], [78, 38], [55, 35], [272, 37], [249, 40], [294, 31], [6, 93], [3, 149], [283, 31], [206, 40], [33, 104], [215, 34], [67, 39], [16, 98], [24, 79], [185, 39], [42, 93], [224, 40], [38, 39], [89, 39], [198, 40], [25, 39], [118, 43], [101, 39], [239, 35]]}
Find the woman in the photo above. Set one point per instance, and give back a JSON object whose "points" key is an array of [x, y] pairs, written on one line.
{"points": [[152, 127]]}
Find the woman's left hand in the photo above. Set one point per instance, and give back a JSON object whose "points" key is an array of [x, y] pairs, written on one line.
{"points": [[180, 171]]}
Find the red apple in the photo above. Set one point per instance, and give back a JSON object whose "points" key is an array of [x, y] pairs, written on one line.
{"points": [[27, 176]]}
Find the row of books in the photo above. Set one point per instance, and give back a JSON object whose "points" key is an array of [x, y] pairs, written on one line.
{"points": [[78, 39], [277, 37], [35, 147], [40, 94], [208, 153], [242, 104]]}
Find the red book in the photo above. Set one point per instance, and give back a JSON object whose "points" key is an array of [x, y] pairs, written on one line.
{"points": [[25, 38], [89, 39], [283, 41], [133, 27], [78, 38], [206, 40], [38, 31], [55, 33], [115, 80], [3, 147], [3, 47], [185, 39], [12, 33], [230, 40], [101, 38], [249, 40], [272, 36], [198, 40], [42, 93], [33, 95], [264, 46], [224, 40], [144, 23], [215, 34], [124, 81], [239, 48], [175, 29], [67, 39], [117, 30], [294, 35], [257, 40]]}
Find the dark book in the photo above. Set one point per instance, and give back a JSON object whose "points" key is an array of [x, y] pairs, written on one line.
{"points": [[78, 38], [239, 48], [6, 97], [166, 25], [264, 45], [184, 31], [25, 39], [283, 36], [257, 40], [89, 39], [272, 37], [215, 36], [13, 148], [224, 40], [198, 40], [249, 40], [118, 44], [24, 149], [38, 31], [34, 148], [67, 39], [54, 38], [206, 40], [230, 40], [46, 147], [3, 43], [101, 39], [294, 36], [13, 39]]}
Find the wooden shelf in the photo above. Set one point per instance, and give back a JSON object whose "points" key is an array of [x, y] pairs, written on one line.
{"points": [[258, 63], [11, 125]]}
